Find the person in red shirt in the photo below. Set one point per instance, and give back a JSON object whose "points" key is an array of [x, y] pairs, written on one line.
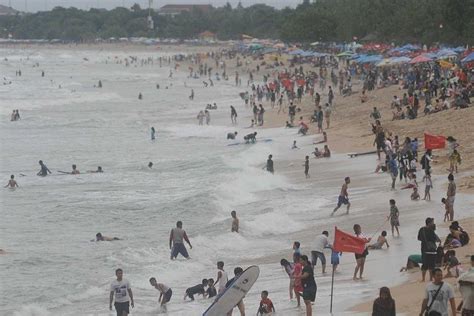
{"points": [[266, 305], [297, 270]]}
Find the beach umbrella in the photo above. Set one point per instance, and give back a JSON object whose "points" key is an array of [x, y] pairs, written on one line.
{"points": [[420, 59], [468, 58]]}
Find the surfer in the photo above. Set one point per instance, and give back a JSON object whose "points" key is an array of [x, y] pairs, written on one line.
{"points": [[240, 305], [123, 294], [252, 137], [343, 197], [100, 237], [177, 236], [231, 135], [221, 277], [44, 170], [235, 222], [197, 289], [12, 183], [165, 293]]}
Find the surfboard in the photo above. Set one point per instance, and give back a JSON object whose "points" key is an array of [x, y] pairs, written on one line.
{"points": [[352, 155], [264, 140], [234, 293]]}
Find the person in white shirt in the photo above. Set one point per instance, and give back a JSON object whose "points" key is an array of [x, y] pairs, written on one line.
{"points": [[320, 243], [120, 288], [437, 295], [221, 277]]}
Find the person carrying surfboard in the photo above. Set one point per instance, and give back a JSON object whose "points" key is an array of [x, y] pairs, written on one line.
{"points": [[240, 305], [177, 236]]}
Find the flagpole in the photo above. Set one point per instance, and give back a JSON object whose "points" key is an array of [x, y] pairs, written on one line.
{"points": [[332, 287]]}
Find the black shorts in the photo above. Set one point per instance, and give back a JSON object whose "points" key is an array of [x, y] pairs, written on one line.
{"points": [[120, 308], [428, 261], [362, 255], [167, 296], [309, 294]]}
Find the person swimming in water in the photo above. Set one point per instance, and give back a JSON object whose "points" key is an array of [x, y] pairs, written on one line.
{"points": [[150, 164], [99, 170], [75, 170], [12, 183], [44, 170], [100, 237]]}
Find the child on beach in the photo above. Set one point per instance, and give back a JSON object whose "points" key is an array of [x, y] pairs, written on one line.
{"points": [[394, 217], [428, 185], [446, 209], [296, 248], [266, 305], [335, 259], [452, 265], [211, 290], [415, 195], [306, 167], [289, 269], [297, 270], [381, 240], [165, 293], [197, 289]]}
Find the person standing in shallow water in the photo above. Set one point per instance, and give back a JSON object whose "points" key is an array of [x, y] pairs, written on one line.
{"points": [[153, 133], [44, 170], [269, 165], [177, 238], [12, 183], [235, 222]]}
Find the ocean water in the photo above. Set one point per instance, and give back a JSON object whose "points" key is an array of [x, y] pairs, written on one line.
{"points": [[52, 267]]}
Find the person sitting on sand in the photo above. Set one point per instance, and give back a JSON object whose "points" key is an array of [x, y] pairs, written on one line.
{"points": [[12, 183], [381, 240], [317, 153], [303, 127], [415, 195], [100, 237], [327, 152], [412, 184], [324, 140]]}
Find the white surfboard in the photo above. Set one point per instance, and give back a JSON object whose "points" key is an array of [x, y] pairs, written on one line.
{"points": [[234, 293]]}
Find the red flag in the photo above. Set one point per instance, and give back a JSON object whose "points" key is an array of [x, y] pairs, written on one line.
{"points": [[434, 141], [344, 242]]}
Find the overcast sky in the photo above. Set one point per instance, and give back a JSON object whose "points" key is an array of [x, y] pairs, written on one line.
{"points": [[42, 5]]}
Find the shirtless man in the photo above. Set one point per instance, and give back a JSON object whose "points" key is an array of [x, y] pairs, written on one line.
{"points": [[343, 197], [12, 183], [177, 238], [165, 293], [235, 222]]}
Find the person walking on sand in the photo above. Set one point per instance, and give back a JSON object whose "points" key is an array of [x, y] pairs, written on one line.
{"points": [[437, 296], [394, 215], [222, 278], [343, 197], [235, 222], [121, 290], [428, 239], [451, 195], [177, 236], [12, 183], [360, 258], [165, 293]]}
